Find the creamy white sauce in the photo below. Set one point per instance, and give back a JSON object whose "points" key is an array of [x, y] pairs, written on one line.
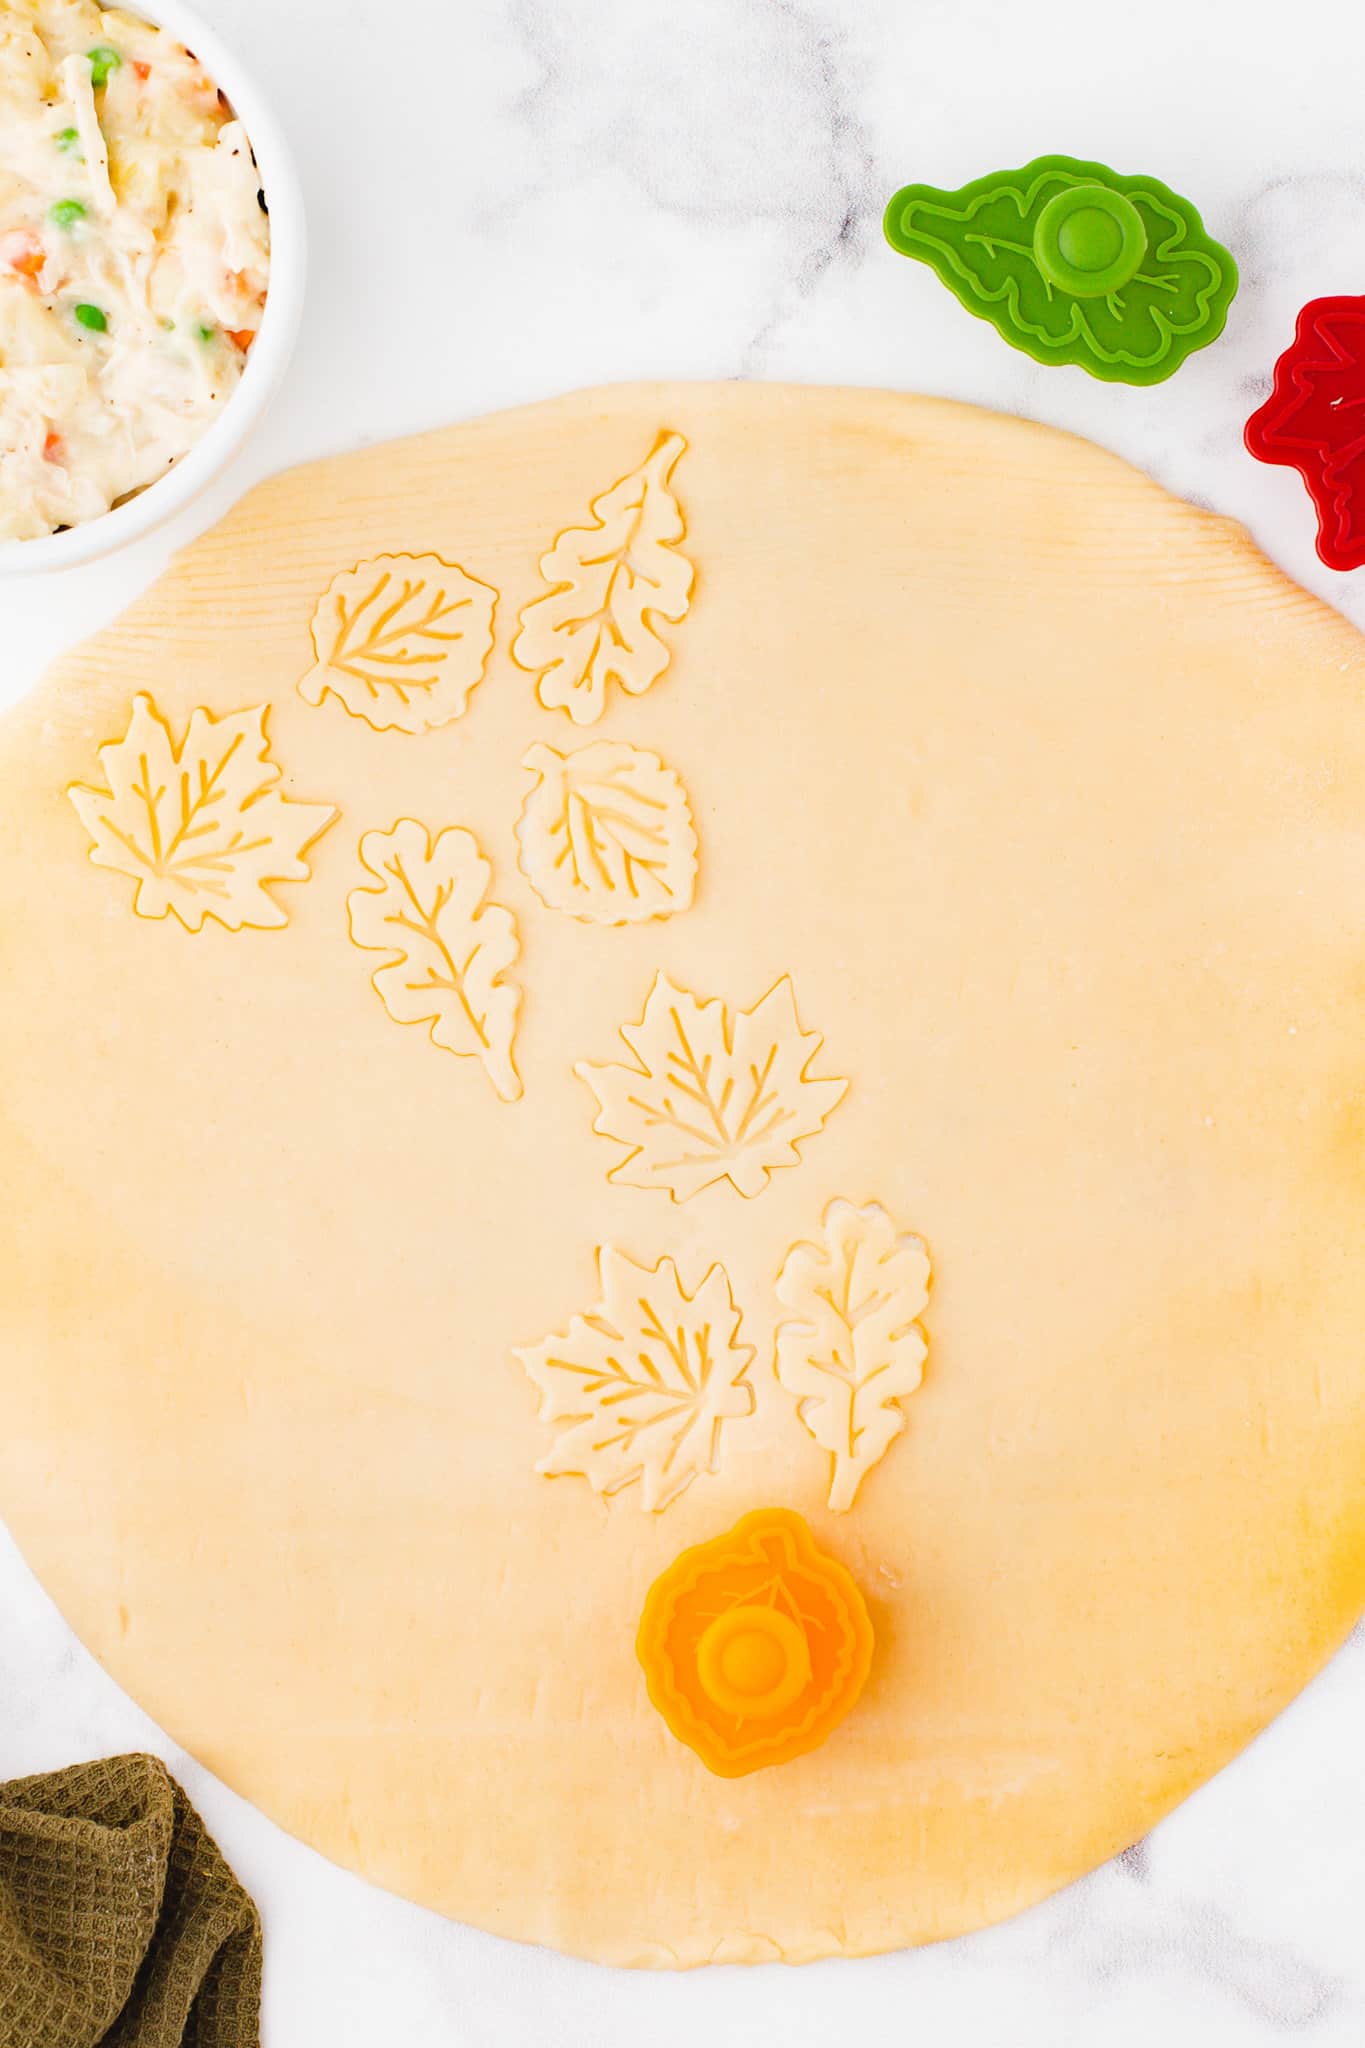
{"points": [[134, 259]]}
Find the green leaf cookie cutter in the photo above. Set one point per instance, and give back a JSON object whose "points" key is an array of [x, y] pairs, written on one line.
{"points": [[1074, 264]]}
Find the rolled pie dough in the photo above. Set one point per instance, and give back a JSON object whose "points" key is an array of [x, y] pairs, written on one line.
{"points": [[687, 949]]}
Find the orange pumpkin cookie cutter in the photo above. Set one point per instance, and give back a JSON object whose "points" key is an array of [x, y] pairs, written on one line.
{"points": [[755, 1645]]}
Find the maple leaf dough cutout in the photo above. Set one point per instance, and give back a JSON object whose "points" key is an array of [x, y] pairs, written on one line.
{"points": [[607, 834], [401, 641], [200, 827], [644, 1384], [857, 1351], [449, 948], [608, 584], [713, 1095]]}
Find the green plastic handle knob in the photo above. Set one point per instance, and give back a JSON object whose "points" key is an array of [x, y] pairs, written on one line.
{"points": [[1074, 264]]}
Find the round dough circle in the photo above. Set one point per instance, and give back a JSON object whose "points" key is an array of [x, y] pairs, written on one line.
{"points": [[1045, 790]]}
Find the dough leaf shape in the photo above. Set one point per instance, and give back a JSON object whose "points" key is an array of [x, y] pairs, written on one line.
{"points": [[449, 948], [856, 1351], [609, 583], [200, 826], [401, 641], [1001, 246], [607, 835], [642, 1386], [713, 1094]]}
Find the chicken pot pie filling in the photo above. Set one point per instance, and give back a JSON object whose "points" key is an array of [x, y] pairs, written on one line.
{"points": [[134, 259]]}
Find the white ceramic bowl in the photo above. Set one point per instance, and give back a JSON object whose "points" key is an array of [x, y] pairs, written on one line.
{"points": [[270, 352]]}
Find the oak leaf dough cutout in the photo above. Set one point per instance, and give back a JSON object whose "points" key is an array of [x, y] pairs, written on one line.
{"points": [[449, 947], [644, 1384], [856, 1350], [199, 826], [607, 835], [401, 641], [609, 582], [714, 1094]]}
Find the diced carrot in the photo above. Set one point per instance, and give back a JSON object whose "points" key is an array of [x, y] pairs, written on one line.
{"points": [[241, 337], [54, 448], [22, 251], [144, 71]]}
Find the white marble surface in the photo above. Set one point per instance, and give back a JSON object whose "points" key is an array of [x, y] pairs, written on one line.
{"points": [[511, 197]]}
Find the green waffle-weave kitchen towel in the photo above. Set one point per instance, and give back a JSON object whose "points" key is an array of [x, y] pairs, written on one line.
{"points": [[120, 1922]]}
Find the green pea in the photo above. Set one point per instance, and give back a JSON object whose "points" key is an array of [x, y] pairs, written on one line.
{"points": [[66, 213], [66, 139], [205, 332], [93, 317], [104, 58]]}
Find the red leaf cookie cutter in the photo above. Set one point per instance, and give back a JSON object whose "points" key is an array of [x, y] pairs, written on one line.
{"points": [[1314, 421]]}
